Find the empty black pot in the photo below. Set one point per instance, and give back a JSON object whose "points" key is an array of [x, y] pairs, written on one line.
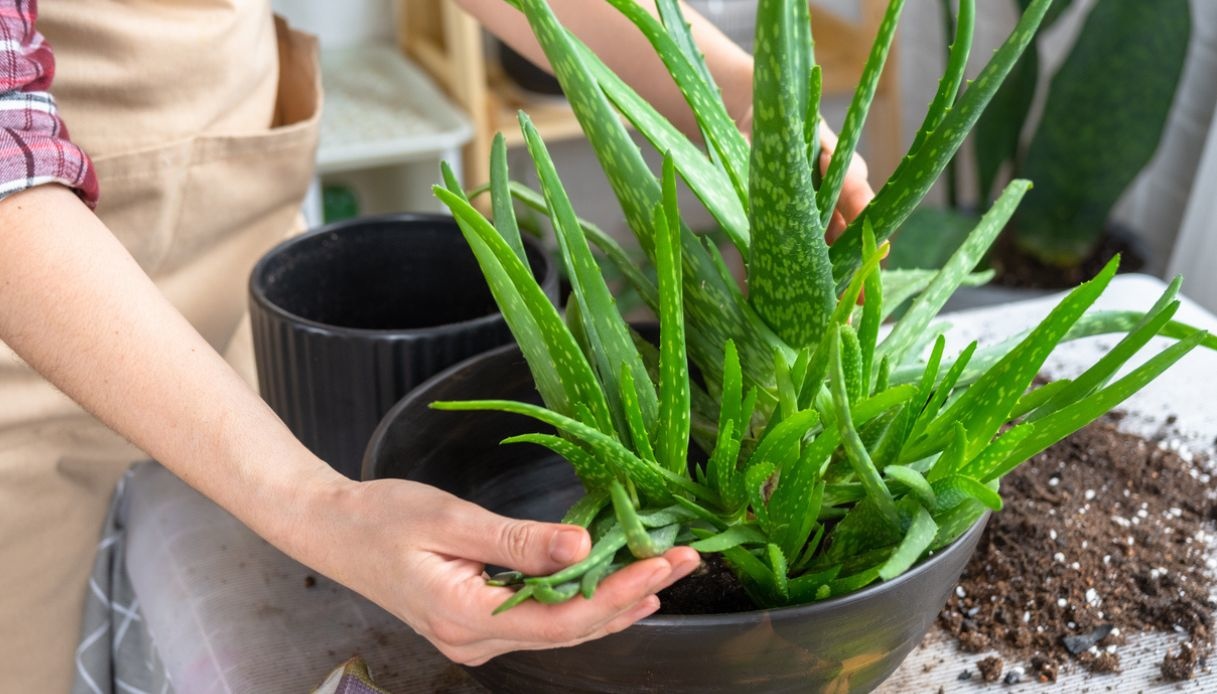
{"points": [[348, 318], [851, 643]]}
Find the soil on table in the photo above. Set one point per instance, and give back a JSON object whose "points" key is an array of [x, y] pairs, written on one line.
{"points": [[1103, 535], [1016, 268]]}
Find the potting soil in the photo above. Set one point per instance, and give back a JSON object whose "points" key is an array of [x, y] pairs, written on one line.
{"points": [[1102, 536]]}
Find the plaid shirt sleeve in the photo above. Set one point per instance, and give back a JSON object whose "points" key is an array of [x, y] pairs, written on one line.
{"points": [[34, 144]]}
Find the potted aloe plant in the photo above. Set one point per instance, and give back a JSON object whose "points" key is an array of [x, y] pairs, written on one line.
{"points": [[837, 454]]}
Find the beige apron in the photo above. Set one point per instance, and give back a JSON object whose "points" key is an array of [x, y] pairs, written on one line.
{"points": [[202, 126]]}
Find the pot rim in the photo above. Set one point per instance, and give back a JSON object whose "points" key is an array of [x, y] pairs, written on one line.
{"points": [[799, 612], [257, 282]]}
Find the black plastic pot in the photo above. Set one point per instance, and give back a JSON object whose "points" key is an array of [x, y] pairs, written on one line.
{"points": [[850, 643], [348, 318]]}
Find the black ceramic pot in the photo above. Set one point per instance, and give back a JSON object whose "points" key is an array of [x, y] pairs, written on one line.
{"points": [[348, 318], [851, 643]]}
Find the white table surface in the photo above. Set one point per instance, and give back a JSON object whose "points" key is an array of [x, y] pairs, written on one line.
{"points": [[232, 614]]}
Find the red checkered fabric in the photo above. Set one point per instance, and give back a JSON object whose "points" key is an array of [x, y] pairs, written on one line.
{"points": [[34, 144]]}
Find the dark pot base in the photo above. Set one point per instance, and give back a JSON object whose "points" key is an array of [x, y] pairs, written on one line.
{"points": [[850, 643]]}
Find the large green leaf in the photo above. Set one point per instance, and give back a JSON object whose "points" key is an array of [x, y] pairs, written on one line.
{"points": [[672, 434], [789, 277], [1106, 110]]}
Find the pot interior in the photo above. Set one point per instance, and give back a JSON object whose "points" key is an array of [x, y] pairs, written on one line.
{"points": [[380, 274]]}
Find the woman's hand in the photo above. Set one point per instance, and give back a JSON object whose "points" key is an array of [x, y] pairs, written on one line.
{"points": [[420, 553]]}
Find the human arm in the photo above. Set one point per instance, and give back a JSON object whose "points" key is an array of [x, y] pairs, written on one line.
{"points": [[80, 310]]}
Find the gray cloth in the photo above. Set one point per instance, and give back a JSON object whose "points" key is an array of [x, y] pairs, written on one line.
{"points": [[116, 654]]}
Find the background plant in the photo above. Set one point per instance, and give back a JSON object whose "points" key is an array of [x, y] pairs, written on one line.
{"points": [[834, 457], [1104, 115]]}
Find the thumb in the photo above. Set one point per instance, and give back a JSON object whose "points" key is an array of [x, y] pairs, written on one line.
{"points": [[529, 546]]}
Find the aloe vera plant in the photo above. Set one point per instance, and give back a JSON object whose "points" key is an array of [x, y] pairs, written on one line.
{"points": [[837, 453]]}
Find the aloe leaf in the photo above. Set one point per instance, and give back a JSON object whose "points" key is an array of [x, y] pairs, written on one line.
{"points": [[585, 510], [562, 373], [756, 478], [1115, 357], [916, 483], [851, 128], [636, 536], [995, 454], [1070, 418], [592, 471], [872, 310], [1089, 325], [811, 124], [805, 588], [733, 536], [919, 170], [851, 362], [712, 186], [998, 132], [638, 431], [948, 279], [795, 503], [856, 453], [721, 471], [450, 179], [591, 580], [607, 333], [957, 63], [777, 564], [942, 391], [519, 597], [916, 541], [702, 96], [500, 198], [901, 285], [774, 447], [955, 489], [649, 477], [672, 437], [987, 404], [789, 278], [1036, 397], [605, 243]]}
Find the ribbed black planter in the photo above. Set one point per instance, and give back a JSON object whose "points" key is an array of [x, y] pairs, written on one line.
{"points": [[348, 318], [851, 643]]}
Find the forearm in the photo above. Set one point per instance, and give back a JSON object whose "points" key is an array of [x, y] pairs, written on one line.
{"points": [[624, 49], [79, 310]]}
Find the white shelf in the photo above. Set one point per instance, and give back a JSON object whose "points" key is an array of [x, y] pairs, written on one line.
{"points": [[380, 109]]}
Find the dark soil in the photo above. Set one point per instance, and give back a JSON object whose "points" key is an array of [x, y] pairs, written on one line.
{"points": [[1016, 268], [1102, 535], [990, 669], [711, 589]]}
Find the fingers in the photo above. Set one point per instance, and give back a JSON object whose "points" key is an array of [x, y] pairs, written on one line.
{"points": [[471, 532], [622, 599]]}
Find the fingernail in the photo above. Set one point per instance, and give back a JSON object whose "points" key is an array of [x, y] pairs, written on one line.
{"points": [[564, 546]]}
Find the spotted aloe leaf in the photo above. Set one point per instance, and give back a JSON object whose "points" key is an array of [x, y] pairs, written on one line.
{"points": [[608, 336], [789, 275], [919, 170], [563, 374]]}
